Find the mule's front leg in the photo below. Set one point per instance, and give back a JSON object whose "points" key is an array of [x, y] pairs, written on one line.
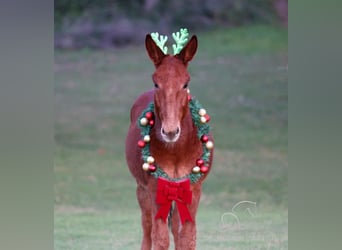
{"points": [[160, 230], [187, 233], [160, 235], [184, 235], [187, 236], [146, 217]]}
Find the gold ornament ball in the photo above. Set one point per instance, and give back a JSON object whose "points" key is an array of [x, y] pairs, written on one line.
{"points": [[203, 119], [196, 169], [202, 112], [209, 144], [145, 166], [150, 159], [147, 138], [143, 121]]}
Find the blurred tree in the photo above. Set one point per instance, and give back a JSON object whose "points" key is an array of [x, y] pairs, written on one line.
{"points": [[104, 23], [149, 5], [281, 7]]}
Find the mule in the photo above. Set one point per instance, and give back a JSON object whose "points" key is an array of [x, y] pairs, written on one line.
{"points": [[172, 140]]}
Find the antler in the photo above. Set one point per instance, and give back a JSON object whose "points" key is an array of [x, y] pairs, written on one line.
{"points": [[180, 38], [160, 43]]}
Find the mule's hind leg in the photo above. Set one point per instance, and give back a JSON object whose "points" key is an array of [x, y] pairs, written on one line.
{"points": [[144, 200]]}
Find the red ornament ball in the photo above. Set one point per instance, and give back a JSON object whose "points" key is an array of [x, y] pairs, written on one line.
{"points": [[204, 169], [141, 143], [207, 117], [204, 138], [199, 162], [151, 123], [152, 168], [149, 115]]}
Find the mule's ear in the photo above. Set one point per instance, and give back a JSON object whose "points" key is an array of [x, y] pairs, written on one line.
{"points": [[154, 52], [188, 52]]}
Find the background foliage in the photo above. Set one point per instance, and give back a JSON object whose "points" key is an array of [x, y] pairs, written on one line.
{"points": [[108, 23]]}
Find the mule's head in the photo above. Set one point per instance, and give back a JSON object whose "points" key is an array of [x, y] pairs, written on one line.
{"points": [[171, 80]]}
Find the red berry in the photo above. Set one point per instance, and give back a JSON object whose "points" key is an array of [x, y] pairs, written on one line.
{"points": [[152, 168], [207, 117], [151, 122], [199, 162], [204, 169], [204, 138], [141, 143], [149, 115]]}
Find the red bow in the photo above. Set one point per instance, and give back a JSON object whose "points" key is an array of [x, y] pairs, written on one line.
{"points": [[179, 192]]}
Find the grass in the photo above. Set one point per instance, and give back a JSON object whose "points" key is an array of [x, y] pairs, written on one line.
{"points": [[240, 76]]}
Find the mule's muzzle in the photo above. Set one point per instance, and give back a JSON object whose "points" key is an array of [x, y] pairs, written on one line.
{"points": [[170, 136]]}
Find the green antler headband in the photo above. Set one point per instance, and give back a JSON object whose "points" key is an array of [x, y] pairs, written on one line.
{"points": [[180, 37], [160, 43]]}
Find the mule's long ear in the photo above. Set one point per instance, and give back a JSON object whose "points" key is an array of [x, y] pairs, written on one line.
{"points": [[154, 52], [188, 52]]}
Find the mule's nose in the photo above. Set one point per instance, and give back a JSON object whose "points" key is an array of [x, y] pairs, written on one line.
{"points": [[170, 136]]}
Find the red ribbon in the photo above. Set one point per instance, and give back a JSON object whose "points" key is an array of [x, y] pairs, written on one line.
{"points": [[179, 192]]}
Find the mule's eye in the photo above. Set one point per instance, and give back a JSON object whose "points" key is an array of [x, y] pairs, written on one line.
{"points": [[156, 86], [185, 86]]}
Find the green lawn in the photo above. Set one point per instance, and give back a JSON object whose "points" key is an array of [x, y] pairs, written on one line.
{"points": [[240, 77]]}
